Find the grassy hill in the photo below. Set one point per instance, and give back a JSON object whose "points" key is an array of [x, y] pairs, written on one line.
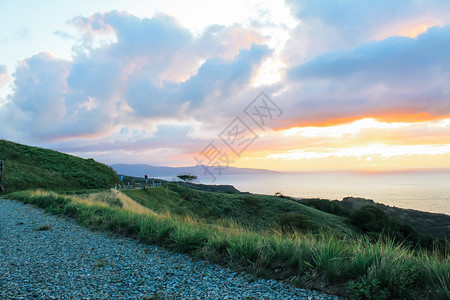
{"points": [[252, 211], [29, 167]]}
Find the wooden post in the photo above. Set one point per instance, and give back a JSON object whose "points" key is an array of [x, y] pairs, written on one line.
{"points": [[2, 167]]}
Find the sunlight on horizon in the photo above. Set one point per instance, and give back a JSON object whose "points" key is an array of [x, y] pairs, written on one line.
{"points": [[341, 130], [379, 150]]}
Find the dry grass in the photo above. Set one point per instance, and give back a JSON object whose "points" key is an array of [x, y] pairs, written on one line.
{"points": [[131, 205], [102, 199]]}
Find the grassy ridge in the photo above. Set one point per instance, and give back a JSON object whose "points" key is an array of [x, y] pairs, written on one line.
{"points": [[348, 266], [31, 167], [255, 212]]}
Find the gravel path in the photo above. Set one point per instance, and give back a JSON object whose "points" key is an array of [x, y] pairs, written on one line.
{"points": [[69, 261]]}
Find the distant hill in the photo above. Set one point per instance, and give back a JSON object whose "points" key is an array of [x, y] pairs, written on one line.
{"points": [[140, 170], [32, 167]]}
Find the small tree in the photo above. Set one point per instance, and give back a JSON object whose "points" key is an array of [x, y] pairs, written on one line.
{"points": [[187, 178]]}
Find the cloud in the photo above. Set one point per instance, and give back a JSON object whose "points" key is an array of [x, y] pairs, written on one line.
{"points": [[356, 16], [150, 84], [387, 60], [339, 25], [64, 35], [39, 91], [167, 144], [4, 77], [390, 79], [212, 96], [219, 76], [381, 151], [153, 71]]}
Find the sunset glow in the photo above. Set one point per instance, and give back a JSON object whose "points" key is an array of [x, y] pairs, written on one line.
{"points": [[340, 130], [365, 144]]}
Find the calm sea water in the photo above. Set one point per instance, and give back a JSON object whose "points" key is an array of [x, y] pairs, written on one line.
{"points": [[425, 190]]}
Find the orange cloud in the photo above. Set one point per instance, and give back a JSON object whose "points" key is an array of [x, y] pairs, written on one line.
{"points": [[390, 117], [412, 116], [410, 29], [415, 30]]}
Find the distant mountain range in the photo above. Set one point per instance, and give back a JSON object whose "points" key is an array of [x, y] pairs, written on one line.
{"points": [[140, 170]]}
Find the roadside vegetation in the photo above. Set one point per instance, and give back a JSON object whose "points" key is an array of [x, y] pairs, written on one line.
{"points": [[292, 247]]}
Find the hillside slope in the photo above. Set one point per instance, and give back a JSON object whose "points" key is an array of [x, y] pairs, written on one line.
{"points": [[256, 212], [32, 167]]}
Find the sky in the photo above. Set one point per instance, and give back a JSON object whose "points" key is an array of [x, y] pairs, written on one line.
{"points": [[308, 85]]}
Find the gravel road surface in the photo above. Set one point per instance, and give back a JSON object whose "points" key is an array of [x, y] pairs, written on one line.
{"points": [[51, 257]]}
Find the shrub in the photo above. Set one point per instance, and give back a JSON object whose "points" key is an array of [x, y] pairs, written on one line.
{"points": [[362, 217], [372, 221], [251, 201], [327, 206], [365, 289], [292, 222]]}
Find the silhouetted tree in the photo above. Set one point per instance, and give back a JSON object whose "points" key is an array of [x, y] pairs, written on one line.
{"points": [[187, 178]]}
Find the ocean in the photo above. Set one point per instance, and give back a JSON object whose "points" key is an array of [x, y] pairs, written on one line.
{"points": [[420, 190]]}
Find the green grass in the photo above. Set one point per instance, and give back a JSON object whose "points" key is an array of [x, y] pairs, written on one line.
{"points": [[31, 167], [42, 228], [255, 212], [349, 266]]}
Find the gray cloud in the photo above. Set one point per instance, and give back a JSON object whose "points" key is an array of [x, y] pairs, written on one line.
{"points": [[393, 59], [339, 25], [356, 16], [396, 76]]}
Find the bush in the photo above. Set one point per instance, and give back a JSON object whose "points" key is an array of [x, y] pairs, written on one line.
{"points": [[295, 222], [365, 289], [327, 206], [363, 218], [372, 221], [252, 202]]}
